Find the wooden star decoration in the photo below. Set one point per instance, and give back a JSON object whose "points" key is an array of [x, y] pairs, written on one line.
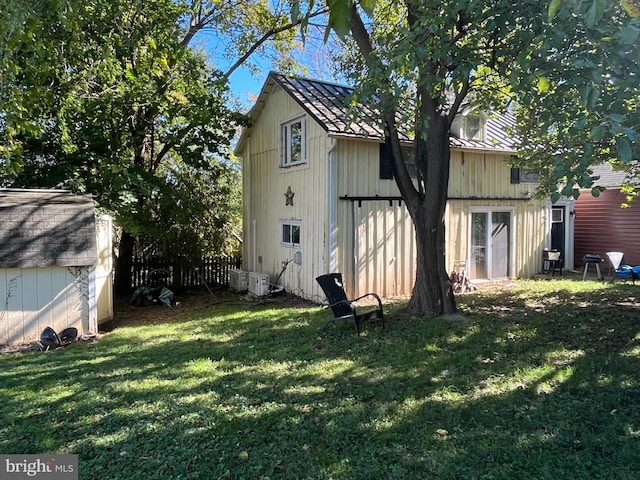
{"points": [[289, 196]]}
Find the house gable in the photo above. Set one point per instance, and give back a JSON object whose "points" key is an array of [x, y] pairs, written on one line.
{"points": [[46, 228]]}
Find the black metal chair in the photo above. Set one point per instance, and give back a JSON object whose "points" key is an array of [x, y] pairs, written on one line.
{"points": [[552, 261], [344, 309]]}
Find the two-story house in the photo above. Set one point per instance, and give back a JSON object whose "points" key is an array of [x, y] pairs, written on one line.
{"points": [[318, 190]]}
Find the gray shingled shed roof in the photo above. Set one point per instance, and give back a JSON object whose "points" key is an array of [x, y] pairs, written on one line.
{"points": [[327, 104], [46, 228]]}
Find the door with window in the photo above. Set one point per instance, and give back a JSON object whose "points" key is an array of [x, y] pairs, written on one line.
{"points": [[491, 245], [558, 230]]}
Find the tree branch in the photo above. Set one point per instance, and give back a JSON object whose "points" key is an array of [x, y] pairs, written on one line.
{"points": [[267, 35], [363, 40]]}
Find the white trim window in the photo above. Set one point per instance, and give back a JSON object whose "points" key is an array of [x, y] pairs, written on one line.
{"points": [[293, 141], [290, 232], [469, 127]]}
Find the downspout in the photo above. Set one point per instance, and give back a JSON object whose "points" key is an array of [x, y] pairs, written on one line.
{"points": [[254, 248], [332, 227], [250, 228], [354, 249]]}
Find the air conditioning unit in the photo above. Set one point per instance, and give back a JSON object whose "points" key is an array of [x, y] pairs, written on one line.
{"points": [[238, 280], [258, 284]]}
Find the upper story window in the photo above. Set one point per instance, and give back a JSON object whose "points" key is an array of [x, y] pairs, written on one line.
{"points": [[473, 127], [523, 175], [469, 127], [293, 141]]}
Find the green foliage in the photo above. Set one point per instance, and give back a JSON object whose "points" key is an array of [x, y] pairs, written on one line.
{"points": [[537, 380], [570, 67], [114, 99], [119, 99], [588, 115]]}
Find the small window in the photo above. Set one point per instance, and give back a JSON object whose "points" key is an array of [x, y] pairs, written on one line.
{"points": [[473, 128], [386, 167], [522, 175], [290, 233], [528, 176], [293, 142], [468, 127], [557, 215]]}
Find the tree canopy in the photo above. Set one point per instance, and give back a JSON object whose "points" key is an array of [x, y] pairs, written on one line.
{"points": [[568, 68], [119, 99], [578, 94]]}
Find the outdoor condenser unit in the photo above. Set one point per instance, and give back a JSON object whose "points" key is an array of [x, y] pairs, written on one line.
{"points": [[238, 280], [258, 284]]}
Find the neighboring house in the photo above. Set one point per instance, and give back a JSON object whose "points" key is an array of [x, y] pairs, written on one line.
{"points": [[54, 264], [318, 190], [602, 225]]}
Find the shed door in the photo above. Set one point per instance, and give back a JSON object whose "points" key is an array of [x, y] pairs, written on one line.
{"points": [[383, 249]]}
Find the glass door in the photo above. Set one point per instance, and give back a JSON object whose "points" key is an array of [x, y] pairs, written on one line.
{"points": [[490, 245]]}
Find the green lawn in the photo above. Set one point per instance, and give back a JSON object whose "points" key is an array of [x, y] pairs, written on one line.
{"points": [[537, 380]]}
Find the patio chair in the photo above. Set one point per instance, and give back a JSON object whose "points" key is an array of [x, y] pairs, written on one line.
{"points": [[552, 261], [344, 309], [622, 272]]}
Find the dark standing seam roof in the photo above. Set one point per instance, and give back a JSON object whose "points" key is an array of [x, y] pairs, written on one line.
{"points": [[328, 104], [46, 228]]}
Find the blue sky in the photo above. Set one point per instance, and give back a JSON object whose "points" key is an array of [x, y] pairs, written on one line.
{"points": [[245, 83], [245, 86]]}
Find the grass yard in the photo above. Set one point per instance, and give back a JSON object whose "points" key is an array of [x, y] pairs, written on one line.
{"points": [[536, 380]]}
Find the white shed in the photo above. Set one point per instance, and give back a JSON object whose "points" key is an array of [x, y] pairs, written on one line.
{"points": [[48, 260]]}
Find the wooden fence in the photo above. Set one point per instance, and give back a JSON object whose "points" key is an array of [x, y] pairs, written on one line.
{"points": [[180, 276]]}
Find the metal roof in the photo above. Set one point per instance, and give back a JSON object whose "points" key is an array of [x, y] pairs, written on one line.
{"points": [[329, 105]]}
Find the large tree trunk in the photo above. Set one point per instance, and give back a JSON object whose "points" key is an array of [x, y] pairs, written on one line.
{"points": [[432, 291], [124, 265]]}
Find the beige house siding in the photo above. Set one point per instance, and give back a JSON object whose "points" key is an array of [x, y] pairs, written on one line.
{"points": [[484, 175], [104, 269], [484, 178], [344, 228], [265, 185], [378, 251], [528, 220]]}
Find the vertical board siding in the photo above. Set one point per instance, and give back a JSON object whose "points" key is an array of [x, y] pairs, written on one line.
{"points": [[266, 203], [602, 226], [12, 312], [36, 298], [104, 270], [385, 250], [384, 247], [483, 175], [528, 221], [375, 248]]}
